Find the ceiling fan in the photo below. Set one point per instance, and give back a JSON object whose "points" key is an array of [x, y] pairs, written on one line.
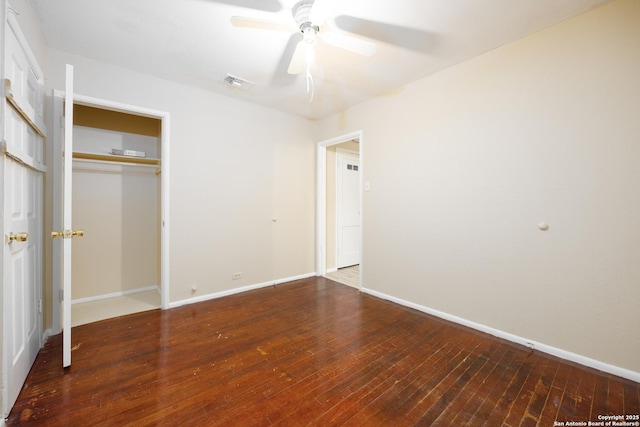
{"points": [[310, 19]]}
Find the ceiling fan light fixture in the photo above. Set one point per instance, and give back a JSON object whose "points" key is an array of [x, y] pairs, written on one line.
{"points": [[309, 33]]}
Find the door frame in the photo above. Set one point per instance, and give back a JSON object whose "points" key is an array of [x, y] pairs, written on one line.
{"points": [[321, 198], [164, 117]]}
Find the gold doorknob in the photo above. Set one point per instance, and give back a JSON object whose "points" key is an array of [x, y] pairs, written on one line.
{"points": [[67, 234], [19, 237]]}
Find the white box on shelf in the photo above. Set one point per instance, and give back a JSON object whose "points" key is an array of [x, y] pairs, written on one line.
{"points": [[128, 153]]}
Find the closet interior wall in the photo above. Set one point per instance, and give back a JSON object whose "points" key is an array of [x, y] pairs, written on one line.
{"points": [[116, 201]]}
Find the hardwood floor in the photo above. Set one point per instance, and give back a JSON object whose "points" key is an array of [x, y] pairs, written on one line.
{"points": [[308, 352]]}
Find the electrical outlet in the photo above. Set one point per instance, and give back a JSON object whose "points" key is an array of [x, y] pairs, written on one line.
{"points": [[236, 276]]}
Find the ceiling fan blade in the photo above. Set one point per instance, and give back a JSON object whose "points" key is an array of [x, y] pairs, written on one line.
{"points": [[281, 77], [350, 43], [410, 38], [260, 24], [320, 11], [266, 5], [299, 58]]}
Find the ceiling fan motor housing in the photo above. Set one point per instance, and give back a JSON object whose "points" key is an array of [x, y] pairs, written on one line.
{"points": [[301, 13]]}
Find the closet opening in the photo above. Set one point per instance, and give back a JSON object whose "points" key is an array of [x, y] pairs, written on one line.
{"points": [[117, 264]]}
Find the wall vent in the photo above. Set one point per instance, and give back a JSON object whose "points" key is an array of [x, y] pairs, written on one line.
{"points": [[237, 82]]}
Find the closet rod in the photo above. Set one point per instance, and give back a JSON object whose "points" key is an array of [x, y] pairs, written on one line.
{"points": [[115, 162]]}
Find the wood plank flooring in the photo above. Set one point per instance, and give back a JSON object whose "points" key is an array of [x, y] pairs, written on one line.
{"points": [[310, 352]]}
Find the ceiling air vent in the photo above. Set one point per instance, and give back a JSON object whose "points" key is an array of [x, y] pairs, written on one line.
{"points": [[237, 82]]}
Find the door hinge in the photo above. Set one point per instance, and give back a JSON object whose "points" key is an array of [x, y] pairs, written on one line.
{"points": [[61, 294], [40, 306]]}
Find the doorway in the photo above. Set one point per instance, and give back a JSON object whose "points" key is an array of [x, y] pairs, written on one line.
{"points": [[116, 265], [339, 204]]}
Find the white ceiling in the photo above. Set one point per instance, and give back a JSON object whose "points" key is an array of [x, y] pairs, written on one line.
{"points": [[193, 42]]}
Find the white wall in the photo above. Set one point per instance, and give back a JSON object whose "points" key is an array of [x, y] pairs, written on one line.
{"points": [[464, 164], [234, 167]]}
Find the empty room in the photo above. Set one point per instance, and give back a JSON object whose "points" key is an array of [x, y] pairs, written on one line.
{"points": [[284, 212]]}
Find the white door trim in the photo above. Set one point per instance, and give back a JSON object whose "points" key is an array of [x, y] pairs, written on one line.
{"points": [[321, 198], [164, 118]]}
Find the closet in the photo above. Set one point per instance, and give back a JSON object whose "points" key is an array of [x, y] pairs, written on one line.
{"points": [[116, 201]]}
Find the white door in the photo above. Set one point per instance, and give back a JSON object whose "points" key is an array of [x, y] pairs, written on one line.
{"points": [[21, 200], [22, 275], [348, 209], [67, 233]]}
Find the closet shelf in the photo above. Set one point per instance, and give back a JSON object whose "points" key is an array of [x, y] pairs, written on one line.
{"points": [[116, 159]]}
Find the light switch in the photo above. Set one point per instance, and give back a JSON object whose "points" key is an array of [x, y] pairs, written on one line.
{"points": [[367, 186]]}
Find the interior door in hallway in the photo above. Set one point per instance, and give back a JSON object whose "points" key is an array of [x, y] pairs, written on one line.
{"points": [[348, 209]]}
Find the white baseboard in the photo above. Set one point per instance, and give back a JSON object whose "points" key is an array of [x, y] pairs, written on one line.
{"points": [[292, 278], [46, 334], [238, 290], [554, 351], [331, 270], [116, 294]]}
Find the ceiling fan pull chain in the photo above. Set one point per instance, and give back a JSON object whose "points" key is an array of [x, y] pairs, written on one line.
{"points": [[310, 86]]}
